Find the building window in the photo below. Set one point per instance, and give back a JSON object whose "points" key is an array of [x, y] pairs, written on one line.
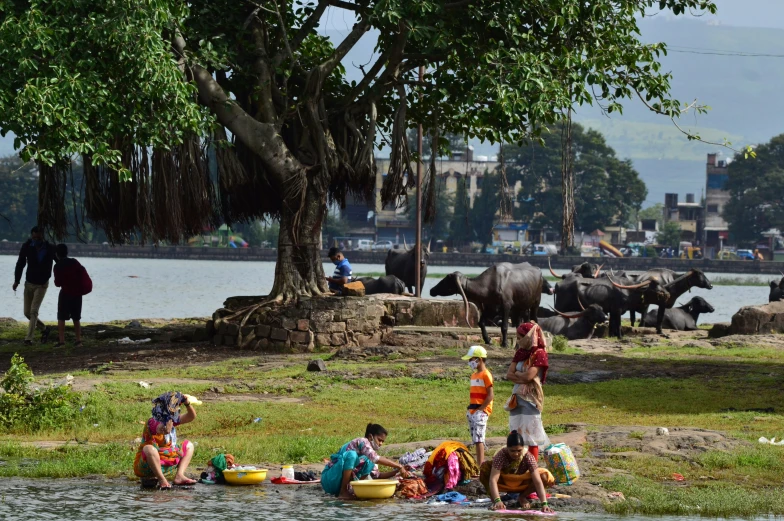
{"points": [[713, 208], [718, 181]]}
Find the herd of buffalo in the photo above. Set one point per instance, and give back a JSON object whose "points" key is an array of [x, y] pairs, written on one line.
{"points": [[584, 297]]}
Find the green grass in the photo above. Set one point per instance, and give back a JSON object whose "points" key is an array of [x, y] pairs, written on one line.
{"points": [[419, 402]]}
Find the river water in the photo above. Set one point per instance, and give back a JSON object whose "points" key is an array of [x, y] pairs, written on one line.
{"points": [[125, 289], [117, 500]]}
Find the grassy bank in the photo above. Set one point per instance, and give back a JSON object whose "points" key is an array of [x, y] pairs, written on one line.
{"points": [[306, 416]]}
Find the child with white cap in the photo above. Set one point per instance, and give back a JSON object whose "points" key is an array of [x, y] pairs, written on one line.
{"points": [[481, 399]]}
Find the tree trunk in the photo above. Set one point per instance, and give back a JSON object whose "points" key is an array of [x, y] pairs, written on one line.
{"points": [[299, 270]]}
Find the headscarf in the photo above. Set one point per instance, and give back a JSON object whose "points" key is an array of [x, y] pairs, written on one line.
{"points": [[533, 347], [167, 407]]}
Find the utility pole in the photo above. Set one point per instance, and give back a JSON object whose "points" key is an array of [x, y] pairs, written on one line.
{"points": [[418, 253]]}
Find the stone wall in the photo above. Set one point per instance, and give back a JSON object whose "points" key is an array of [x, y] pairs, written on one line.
{"points": [[328, 322]]}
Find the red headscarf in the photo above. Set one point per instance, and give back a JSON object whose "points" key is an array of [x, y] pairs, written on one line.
{"points": [[536, 349]]}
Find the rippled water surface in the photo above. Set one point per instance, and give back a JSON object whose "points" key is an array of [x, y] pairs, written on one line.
{"points": [[166, 288], [120, 500]]}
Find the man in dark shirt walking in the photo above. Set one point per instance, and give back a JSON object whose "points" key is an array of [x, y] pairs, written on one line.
{"points": [[71, 277], [38, 255]]}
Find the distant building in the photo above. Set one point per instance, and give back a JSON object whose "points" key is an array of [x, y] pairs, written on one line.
{"points": [[716, 198], [688, 214], [392, 223]]}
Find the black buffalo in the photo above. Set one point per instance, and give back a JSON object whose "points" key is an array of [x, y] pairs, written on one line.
{"points": [[682, 318], [614, 296], [575, 327], [585, 270], [776, 291], [402, 264], [676, 285], [514, 290], [386, 284]]}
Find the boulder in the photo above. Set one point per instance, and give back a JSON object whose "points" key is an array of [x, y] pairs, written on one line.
{"points": [[317, 365], [134, 324], [8, 322], [757, 320]]}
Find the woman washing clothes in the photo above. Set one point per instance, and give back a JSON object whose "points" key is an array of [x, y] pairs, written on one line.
{"points": [[528, 371], [514, 469], [358, 459], [160, 456]]}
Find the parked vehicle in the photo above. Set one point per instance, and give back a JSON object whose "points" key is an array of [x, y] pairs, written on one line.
{"points": [[543, 249], [383, 246], [727, 255], [364, 245], [745, 255], [691, 253]]}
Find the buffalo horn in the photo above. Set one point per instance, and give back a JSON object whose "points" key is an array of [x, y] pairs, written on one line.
{"points": [[405, 246], [465, 300], [596, 275], [578, 301], [551, 268], [578, 315], [636, 286], [430, 240]]}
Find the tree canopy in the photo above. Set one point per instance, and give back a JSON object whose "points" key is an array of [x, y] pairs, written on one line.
{"points": [[756, 186], [146, 90], [607, 189]]}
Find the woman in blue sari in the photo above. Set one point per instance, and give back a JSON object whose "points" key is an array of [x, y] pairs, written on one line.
{"points": [[358, 459]]}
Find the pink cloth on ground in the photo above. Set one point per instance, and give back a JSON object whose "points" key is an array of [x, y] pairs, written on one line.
{"points": [[453, 471]]}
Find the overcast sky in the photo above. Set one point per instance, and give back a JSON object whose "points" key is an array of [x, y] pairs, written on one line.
{"points": [[751, 13]]}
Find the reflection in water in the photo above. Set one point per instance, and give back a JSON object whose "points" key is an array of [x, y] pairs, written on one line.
{"points": [[166, 288]]}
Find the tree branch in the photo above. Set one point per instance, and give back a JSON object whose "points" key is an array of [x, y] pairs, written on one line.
{"points": [[302, 32], [367, 78], [258, 136], [346, 5], [360, 28]]}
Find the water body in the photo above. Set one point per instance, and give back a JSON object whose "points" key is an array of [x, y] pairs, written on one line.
{"points": [[118, 500], [125, 289]]}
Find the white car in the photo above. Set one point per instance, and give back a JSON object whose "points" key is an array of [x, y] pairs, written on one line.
{"points": [[383, 246]]}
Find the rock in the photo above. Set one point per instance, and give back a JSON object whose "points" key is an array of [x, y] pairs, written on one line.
{"points": [[144, 385], [662, 431], [353, 289], [317, 365], [303, 324], [134, 324], [719, 330], [8, 322], [279, 334], [755, 320], [262, 331]]}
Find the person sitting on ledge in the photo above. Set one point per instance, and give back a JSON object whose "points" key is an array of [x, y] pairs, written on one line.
{"points": [[342, 274]]}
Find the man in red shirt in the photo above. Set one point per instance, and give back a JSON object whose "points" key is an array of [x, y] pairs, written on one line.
{"points": [[71, 277]]}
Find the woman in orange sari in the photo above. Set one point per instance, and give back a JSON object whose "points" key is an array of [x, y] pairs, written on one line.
{"points": [[160, 456]]}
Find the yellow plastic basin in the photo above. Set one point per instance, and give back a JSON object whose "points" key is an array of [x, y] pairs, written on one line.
{"points": [[245, 477], [374, 489]]}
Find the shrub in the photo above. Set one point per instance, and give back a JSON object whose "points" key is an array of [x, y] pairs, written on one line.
{"points": [[560, 343], [28, 409]]}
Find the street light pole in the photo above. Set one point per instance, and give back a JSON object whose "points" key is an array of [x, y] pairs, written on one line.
{"points": [[418, 253]]}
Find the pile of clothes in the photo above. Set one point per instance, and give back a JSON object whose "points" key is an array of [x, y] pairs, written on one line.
{"points": [[449, 464], [414, 460], [214, 472]]}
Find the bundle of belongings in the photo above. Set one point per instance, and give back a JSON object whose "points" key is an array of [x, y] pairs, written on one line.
{"points": [[214, 472], [449, 464], [299, 478]]}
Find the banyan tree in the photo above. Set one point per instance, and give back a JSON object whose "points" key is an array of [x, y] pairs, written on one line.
{"points": [[189, 114]]}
